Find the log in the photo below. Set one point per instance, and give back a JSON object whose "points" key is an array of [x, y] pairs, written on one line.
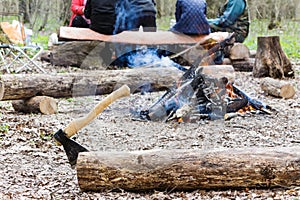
{"points": [[270, 60], [239, 51], [82, 54], [278, 88], [240, 65], [246, 65], [219, 71], [38, 104], [186, 170], [21, 86], [136, 37]]}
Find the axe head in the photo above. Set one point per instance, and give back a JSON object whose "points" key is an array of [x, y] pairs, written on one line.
{"points": [[72, 148]]}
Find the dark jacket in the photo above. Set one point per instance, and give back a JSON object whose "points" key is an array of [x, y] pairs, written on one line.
{"points": [[141, 8], [102, 14]]}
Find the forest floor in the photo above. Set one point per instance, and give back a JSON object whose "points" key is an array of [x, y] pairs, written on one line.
{"points": [[34, 167]]}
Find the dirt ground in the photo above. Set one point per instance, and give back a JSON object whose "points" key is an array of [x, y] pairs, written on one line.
{"points": [[34, 167]]}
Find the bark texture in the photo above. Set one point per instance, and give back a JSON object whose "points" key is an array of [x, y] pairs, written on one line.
{"points": [[270, 60], [189, 169], [38, 104], [278, 88], [22, 86]]}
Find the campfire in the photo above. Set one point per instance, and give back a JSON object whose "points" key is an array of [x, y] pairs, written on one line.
{"points": [[198, 96]]}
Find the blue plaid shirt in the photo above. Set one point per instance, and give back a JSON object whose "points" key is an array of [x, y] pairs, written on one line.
{"points": [[191, 17]]}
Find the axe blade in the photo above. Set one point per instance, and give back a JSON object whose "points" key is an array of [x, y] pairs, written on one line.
{"points": [[72, 148]]}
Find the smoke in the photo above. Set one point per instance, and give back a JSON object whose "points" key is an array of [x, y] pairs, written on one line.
{"points": [[148, 57]]}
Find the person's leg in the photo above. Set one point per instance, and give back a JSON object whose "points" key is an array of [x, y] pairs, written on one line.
{"points": [[79, 22], [149, 23]]}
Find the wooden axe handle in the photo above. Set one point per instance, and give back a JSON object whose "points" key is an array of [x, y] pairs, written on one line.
{"points": [[77, 124]]}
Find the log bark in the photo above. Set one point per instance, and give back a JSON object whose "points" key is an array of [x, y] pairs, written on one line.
{"points": [[270, 60], [277, 88], [239, 51], [38, 104], [246, 65], [82, 54], [240, 65], [21, 86], [189, 169]]}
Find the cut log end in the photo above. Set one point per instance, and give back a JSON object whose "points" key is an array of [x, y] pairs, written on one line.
{"points": [[48, 105], [287, 91], [278, 88], [38, 104], [239, 51]]}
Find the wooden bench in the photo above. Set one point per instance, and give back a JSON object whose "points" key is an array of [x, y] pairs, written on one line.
{"points": [[136, 37]]}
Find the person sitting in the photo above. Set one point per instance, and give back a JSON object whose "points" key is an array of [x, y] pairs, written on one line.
{"points": [[77, 18], [191, 17], [135, 13], [232, 17], [102, 15]]}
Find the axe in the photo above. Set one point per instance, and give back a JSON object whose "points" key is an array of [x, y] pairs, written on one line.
{"points": [[72, 148]]}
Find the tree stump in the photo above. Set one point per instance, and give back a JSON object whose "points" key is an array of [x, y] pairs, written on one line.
{"points": [[38, 104], [193, 169], [270, 60], [277, 88]]}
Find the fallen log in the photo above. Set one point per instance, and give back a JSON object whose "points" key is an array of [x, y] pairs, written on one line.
{"points": [[186, 170], [277, 88], [243, 65], [270, 60], [22, 86], [240, 65], [38, 104], [82, 54]]}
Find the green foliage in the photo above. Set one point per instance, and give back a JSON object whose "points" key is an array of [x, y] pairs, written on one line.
{"points": [[41, 40], [289, 33], [4, 128]]}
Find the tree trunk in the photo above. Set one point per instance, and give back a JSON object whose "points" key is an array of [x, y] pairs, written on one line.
{"points": [[189, 169], [38, 104], [297, 8], [270, 60], [278, 88]]}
